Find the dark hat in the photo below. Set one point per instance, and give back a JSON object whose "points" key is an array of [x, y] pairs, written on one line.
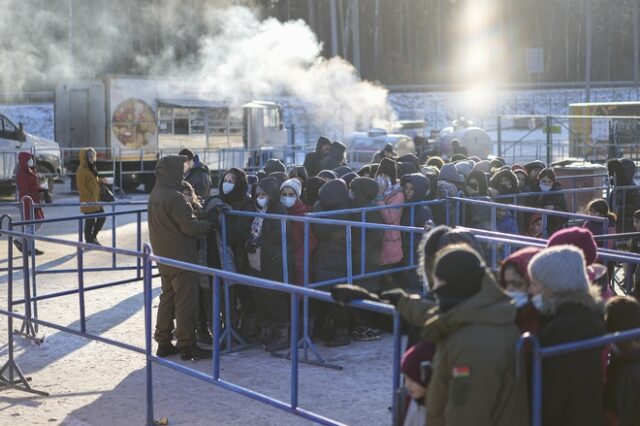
{"points": [[536, 164], [300, 172], [435, 161], [328, 174], [349, 177], [410, 158], [462, 270], [497, 162], [274, 165], [388, 148], [458, 157], [342, 170], [388, 167], [406, 169], [548, 172], [622, 313]]}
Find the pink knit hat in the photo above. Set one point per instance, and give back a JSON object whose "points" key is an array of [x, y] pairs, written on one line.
{"points": [[579, 237]]}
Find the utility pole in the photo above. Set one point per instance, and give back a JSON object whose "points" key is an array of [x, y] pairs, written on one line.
{"points": [[334, 27], [355, 31], [636, 46], [587, 69]]}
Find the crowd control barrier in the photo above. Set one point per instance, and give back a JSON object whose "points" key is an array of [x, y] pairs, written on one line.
{"points": [[11, 376]]}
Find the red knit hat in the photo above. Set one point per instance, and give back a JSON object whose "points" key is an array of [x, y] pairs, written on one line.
{"points": [[413, 357], [520, 259], [579, 237]]}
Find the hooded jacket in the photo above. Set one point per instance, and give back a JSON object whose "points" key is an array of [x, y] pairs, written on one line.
{"points": [[200, 178], [392, 242], [449, 173], [311, 189], [88, 184], [572, 384], [624, 202], [313, 159], [332, 248], [556, 200], [27, 184], [297, 243], [173, 226], [474, 380], [502, 189], [365, 191], [335, 158]]}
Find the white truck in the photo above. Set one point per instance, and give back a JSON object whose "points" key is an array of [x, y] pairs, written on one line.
{"points": [[132, 121], [13, 140]]}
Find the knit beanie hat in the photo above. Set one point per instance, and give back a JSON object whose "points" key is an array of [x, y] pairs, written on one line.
{"points": [[274, 165], [579, 237], [293, 184], [560, 269], [518, 168], [462, 270], [449, 173], [520, 259], [414, 357], [388, 167], [464, 168], [484, 166], [622, 313]]}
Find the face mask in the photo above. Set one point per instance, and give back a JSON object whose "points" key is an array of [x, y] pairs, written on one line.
{"points": [[263, 202], [539, 303], [30, 163], [519, 297], [545, 188], [288, 201], [227, 187]]}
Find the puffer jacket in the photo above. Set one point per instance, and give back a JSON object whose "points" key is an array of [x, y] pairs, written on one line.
{"points": [[313, 159], [173, 226], [27, 184], [88, 184], [474, 380], [335, 158], [391, 252], [200, 178]]}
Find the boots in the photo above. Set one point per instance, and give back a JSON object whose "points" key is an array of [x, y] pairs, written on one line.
{"points": [[194, 353], [167, 350], [203, 335], [280, 338]]}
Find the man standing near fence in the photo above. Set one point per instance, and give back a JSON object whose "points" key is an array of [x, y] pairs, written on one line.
{"points": [[173, 228]]}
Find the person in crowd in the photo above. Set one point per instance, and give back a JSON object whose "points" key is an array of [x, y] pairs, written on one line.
{"points": [[342, 170], [335, 158], [535, 227], [349, 177], [572, 384], [514, 280], [386, 152], [331, 259], [264, 252], [549, 200], [504, 182], [436, 162], [173, 232], [233, 193], [205, 315], [313, 159], [506, 222], [600, 208], [464, 167], [533, 169], [311, 189], [498, 163], [458, 149], [483, 166], [631, 270], [365, 171], [622, 388], [449, 173], [410, 158], [327, 175], [198, 174], [476, 186], [522, 175], [416, 369], [274, 165], [406, 169], [290, 192], [88, 184], [390, 193], [300, 173], [473, 379], [415, 188], [624, 199], [27, 186]]}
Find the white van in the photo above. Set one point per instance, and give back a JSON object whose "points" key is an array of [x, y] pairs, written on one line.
{"points": [[13, 140]]}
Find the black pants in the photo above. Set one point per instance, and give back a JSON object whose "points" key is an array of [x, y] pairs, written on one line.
{"points": [[92, 226]]}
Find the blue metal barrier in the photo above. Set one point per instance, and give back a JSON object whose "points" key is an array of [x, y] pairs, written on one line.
{"points": [[12, 377]]}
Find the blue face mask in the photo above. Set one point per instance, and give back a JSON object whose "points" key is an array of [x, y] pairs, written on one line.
{"points": [[288, 201], [227, 187], [520, 298]]}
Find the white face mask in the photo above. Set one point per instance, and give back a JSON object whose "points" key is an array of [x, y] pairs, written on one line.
{"points": [[30, 162], [539, 302], [288, 201], [519, 297], [263, 202], [227, 187], [545, 188]]}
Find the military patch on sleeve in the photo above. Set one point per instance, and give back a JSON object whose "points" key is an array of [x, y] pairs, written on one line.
{"points": [[461, 371]]}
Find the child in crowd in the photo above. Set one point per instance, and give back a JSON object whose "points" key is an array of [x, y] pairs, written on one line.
{"points": [[600, 208], [416, 370], [535, 226], [622, 389], [514, 280]]}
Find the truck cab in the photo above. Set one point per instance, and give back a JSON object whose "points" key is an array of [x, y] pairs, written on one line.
{"points": [[13, 140]]}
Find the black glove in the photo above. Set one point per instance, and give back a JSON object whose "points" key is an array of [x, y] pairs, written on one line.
{"points": [[345, 293], [393, 296], [251, 246]]}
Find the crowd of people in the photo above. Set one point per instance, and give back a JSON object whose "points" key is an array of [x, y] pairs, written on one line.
{"points": [[462, 319]]}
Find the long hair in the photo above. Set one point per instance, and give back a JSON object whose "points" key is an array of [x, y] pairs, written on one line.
{"points": [[601, 206]]}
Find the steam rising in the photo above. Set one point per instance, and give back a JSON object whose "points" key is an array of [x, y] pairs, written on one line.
{"points": [[238, 57]]}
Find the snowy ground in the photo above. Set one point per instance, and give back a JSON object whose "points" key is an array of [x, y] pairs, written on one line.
{"points": [[96, 384]]}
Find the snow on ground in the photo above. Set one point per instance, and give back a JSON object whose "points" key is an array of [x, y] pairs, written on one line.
{"points": [[96, 384]]}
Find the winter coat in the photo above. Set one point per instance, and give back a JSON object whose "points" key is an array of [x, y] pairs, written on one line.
{"points": [[88, 183], [559, 203], [200, 178], [392, 242], [502, 189], [597, 229], [173, 226], [473, 380], [572, 384], [507, 224], [622, 390], [27, 185], [365, 191], [297, 243], [313, 159], [624, 202], [331, 255], [335, 158]]}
